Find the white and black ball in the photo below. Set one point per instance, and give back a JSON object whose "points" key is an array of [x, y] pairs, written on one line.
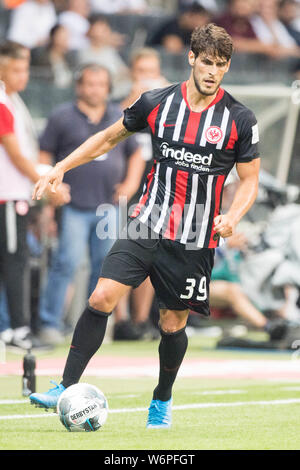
{"points": [[82, 407]]}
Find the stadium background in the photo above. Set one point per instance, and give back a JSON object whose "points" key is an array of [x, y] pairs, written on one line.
{"points": [[270, 88]]}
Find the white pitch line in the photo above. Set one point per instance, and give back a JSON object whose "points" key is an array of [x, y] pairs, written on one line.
{"points": [[8, 401], [12, 402], [293, 389], [191, 406], [125, 396], [220, 392], [46, 415]]}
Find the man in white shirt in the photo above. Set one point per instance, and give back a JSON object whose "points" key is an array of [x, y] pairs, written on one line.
{"points": [[31, 23], [17, 173], [120, 6], [271, 31]]}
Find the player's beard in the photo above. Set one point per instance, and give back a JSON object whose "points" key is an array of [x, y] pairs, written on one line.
{"points": [[201, 90]]}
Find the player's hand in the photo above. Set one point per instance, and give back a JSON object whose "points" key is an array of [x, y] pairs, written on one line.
{"points": [[224, 225], [53, 178]]}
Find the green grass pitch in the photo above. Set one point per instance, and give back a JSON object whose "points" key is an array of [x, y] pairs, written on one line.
{"points": [[209, 413]]}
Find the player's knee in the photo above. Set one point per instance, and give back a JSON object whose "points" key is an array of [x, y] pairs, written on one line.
{"points": [[102, 300], [171, 321], [169, 329], [170, 326]]}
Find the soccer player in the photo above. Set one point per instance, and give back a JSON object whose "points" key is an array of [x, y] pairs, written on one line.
{"points": [[199, 132]]}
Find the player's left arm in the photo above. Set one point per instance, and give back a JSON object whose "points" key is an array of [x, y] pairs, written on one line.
{"points": [[245, 196]]}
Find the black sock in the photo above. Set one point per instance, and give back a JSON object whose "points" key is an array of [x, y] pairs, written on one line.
{"points": [[87, 339], [171, 349]]}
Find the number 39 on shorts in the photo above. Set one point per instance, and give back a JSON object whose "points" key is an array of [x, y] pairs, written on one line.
{"points": [[190, 288]]}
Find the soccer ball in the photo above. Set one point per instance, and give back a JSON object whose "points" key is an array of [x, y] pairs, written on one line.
{"points": [[82, 407]]}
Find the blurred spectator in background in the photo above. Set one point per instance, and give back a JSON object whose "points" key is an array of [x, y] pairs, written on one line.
{"points": [[60, 5], [101, 34], [289, 12], [31, 23], [75, 19], [296, 20], [12, 3], [255, 33], [174, 36], [18, 170], [120, 6], [55, 61], [113, 175], [272, 32], [145, 73], [226, 290], [102, 49], [5, 330], [237, 21], [210, 5]]}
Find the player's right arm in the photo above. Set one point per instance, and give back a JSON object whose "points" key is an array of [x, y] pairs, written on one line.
{"points": [[95, 146]]}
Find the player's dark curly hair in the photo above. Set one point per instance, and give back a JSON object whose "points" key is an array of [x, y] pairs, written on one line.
{"points": [[212, 40]]}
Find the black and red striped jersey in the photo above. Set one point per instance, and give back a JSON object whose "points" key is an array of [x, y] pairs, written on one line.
{"points": [[193, 154]]}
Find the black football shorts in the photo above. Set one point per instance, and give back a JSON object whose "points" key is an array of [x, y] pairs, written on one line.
{"points": [[180, 277]]}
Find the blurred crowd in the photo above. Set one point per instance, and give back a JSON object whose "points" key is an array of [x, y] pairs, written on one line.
{"points": [[72, 32], [51, 252]]}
